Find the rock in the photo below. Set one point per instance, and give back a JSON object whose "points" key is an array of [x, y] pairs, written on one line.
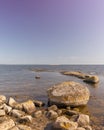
{"points": [[75, 73], [52, 114], [64, 123], [71, 112], [26, 119], [74, 118], [2, 99], [7, 108], [59, 112], [80, 128], [87, 78], [68, 94], [38, 103], [15, 104], [38, 114], [76, 109], [2, 113], [6, 125], [91, 79], [53, 107], [24, 127], [15, 128], [83, 120], [29, 107], [12, 102], [17, 113], [87, 127]]}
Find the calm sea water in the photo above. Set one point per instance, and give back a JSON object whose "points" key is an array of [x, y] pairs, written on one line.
{"points": [[19, 81]]}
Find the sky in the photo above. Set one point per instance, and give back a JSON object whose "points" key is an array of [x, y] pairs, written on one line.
{"points": [[51, 31]]}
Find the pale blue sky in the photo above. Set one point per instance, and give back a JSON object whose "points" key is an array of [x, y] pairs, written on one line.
{"points": [[52, 32]]}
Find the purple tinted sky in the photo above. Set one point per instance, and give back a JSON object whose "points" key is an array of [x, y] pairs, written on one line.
{"points": [[51, 31]]}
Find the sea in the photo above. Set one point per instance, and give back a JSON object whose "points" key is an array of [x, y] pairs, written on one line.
{"points": [[19, 81]]}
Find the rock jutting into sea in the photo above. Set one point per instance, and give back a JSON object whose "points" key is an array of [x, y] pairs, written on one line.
{"points": [[68, 93], [86, 77]]}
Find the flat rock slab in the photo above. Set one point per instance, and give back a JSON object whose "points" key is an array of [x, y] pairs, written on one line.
{"points": [[68, 94]]}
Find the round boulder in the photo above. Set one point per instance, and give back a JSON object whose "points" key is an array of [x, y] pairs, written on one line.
{"points": [[68, 94]]}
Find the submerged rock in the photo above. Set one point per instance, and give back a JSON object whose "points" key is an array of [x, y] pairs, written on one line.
{"points": [[68, 94]]}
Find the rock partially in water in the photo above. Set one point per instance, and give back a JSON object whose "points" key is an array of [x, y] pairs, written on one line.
{"points": [[75, 73], [64, 123], [91, 79], [86, 77], [68, 94]]}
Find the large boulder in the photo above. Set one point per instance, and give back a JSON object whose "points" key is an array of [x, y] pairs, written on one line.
{"points": [[68, 94]]}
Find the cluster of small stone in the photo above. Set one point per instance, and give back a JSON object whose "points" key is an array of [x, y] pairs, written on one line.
{"points": [[20, 116], [17, 116]]}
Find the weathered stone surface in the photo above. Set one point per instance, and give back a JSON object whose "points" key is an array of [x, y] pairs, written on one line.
{"points": [[2, 113], [24, 127], [29, 107], [68, 94], [52, 114], [15, 104], [91, 79], [64, 123], [14, 128], [25, 119], [87, 78], [12, 102], [53, 107], [2, 99], [6, 125], [38, 103], [83, 120], [17, 113], [80, 128], [88, 127], [75, 73], [38, 113], [71, 112], [7, 108]]}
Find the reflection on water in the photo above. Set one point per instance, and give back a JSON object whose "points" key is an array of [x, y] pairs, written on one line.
{"points": [[19, 82]]}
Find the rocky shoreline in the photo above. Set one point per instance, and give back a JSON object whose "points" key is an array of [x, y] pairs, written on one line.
{"points": [[26, 116], [64, 110]]}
